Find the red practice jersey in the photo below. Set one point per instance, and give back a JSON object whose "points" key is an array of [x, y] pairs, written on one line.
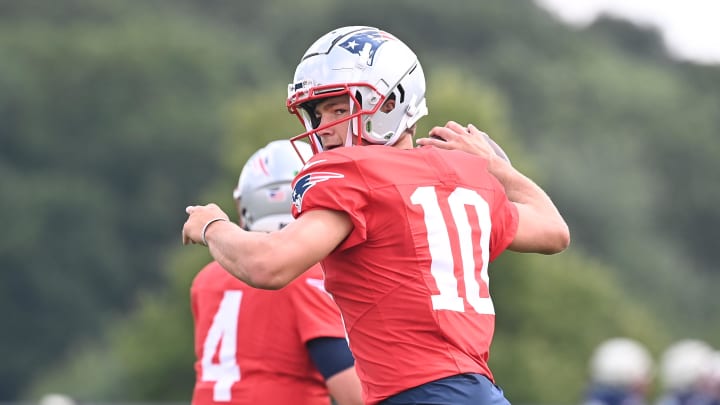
{"points": [[250, 343], [411, 279]]}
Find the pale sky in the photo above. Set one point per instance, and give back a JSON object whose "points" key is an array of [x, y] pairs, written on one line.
{"points": [[690, 28]]}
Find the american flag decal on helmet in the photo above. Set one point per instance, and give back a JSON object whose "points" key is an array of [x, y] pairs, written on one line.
{"points": [[275, 195], [304, 183], [366, 43]]}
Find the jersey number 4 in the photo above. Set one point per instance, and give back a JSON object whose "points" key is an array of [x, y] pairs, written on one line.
{"points": [[442, 256], [222, 340]]}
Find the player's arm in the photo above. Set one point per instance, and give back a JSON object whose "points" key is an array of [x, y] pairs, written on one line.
{"points": [[267, 260], [336, 364], [541, 228], [345, 388]]}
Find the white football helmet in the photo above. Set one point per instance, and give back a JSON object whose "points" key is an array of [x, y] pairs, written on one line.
{"points": [[368, 65], [264, 193], [621, 362], [683, 363]]}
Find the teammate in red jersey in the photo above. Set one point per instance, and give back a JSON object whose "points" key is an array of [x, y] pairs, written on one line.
{"points": [[404, 234], [269, 347]]}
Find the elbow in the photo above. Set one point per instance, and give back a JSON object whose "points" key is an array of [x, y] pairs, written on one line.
{"points": [[560, 239], [265, 284], [266, 279], [564, 236], [267, 275], [548, 238]]}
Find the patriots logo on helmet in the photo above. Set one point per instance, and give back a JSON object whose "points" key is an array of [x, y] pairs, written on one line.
{"points": [[366, 43], [304, 183]]}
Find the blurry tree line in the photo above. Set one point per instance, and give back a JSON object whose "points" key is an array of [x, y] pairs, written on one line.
{"points": [[115, 115]]}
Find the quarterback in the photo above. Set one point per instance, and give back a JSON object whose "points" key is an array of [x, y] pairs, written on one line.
{"points": [[404, 234]]}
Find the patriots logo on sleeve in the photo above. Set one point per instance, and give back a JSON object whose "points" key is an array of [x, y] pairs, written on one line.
{"points": [[304, 183], [366, 43]]}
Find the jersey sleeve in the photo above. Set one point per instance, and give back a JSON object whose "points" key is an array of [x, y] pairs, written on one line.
{"points": [[316, 313], [504, 217], [333, 182]]}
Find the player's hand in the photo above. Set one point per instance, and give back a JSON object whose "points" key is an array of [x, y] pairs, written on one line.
{"points": [[198, 217], [454, 136]]}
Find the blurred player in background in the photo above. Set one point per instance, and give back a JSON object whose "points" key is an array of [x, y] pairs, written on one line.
{"points": [[405, 234], [621, 371], [269, 347], [54, 398], [683, 366]]}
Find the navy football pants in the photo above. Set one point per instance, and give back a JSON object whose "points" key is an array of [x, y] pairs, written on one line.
{"points": [[461, 389]]}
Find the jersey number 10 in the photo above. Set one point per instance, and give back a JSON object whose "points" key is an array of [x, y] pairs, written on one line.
{"points": [[442, 256]]}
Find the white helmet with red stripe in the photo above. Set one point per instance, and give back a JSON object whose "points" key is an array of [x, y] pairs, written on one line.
{"points": [[368, 65], [264, 194]]}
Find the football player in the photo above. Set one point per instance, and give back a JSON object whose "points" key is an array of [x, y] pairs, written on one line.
{"points": [[269, 347], [682, 367], [405, 234], [621, 371]]}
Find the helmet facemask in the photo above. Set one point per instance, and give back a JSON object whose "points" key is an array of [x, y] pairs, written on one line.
{"points": [[303, 104]]}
